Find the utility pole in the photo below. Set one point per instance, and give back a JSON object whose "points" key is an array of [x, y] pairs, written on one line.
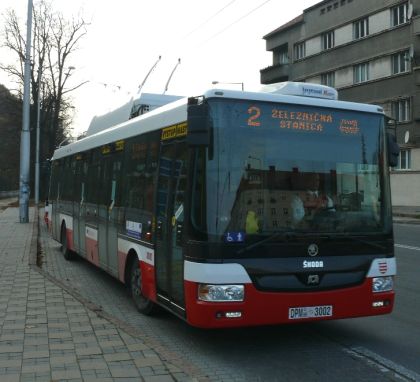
{"points": [[38, 115], [25, 137]]}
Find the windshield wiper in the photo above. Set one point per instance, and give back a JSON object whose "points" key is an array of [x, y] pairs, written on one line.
{"points": [[353, 238], [286, 234]]}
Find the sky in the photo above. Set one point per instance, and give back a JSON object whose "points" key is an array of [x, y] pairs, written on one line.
{"points": [[217, 40]]}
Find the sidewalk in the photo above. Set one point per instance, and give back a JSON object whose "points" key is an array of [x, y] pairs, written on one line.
{"points": [[406, 214], [48, 335]]}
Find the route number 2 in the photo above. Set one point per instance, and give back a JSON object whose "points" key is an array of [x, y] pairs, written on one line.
{"points": [[254, 113]]}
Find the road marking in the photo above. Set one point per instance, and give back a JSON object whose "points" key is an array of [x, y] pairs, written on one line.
{"points": [[407, 247], [384, 364]]}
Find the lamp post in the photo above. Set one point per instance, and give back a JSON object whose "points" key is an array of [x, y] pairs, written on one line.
{"points": [[229, 83], [25, 141], [38, 116]]}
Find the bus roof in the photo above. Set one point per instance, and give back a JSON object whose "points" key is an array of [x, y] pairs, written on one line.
{"points": [[176, 112]]}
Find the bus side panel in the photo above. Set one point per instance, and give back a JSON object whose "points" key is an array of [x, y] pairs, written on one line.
{"points": [[146, 258], [91, 242], [148, 281], [56, 220]]}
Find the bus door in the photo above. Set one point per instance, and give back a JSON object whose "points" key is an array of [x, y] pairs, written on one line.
{"points": [[109, 212], [55, 200], [79, 226], [169, 221], [90, 205]]}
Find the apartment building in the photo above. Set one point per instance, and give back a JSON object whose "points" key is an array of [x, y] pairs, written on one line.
{"points": [[370, 52]]}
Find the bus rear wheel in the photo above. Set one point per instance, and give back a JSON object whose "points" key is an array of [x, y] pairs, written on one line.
{"points": [[143, 304], [67, 253]]}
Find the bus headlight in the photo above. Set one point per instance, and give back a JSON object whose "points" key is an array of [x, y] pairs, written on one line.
{"points": [[382, 284], [220, 293]]}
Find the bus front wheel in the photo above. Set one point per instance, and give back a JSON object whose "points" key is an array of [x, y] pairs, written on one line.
{"points": [[143, 304]]}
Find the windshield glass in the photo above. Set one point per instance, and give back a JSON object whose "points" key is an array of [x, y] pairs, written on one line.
{"points": [[293, 168]]}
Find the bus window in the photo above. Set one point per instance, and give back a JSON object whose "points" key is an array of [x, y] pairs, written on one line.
{"points": [[140, 179], [93, 178]]}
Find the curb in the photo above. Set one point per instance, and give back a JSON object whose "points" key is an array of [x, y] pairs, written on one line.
{"points": [[167, 357], [33, 251]]}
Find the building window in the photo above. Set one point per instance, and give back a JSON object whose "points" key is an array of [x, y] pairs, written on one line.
{"points": [[401, 110], [327, 40], [360, 28], [399, 14], [404, 160], [361, 73], [300, 50], [328, 79], [283, 56], [400, 62]]}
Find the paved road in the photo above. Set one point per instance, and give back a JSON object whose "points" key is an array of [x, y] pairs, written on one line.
{"points": [[366, 349]]}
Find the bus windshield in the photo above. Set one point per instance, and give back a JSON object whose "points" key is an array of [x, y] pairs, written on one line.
{"points": [[291, 168]]}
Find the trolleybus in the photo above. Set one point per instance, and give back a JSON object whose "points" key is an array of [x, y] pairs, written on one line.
{"points": [[237, 208]]}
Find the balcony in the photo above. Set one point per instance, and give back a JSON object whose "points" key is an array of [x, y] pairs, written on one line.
{"points": [[275, 73]]}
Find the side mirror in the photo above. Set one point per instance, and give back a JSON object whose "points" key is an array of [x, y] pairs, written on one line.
{"points": [[198, 124], [393, 150]]}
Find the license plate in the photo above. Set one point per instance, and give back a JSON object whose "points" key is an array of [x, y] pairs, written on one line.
{"points": [[310, 312]]}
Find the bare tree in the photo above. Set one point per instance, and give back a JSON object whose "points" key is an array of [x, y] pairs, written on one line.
{"points": [[55, 39]]}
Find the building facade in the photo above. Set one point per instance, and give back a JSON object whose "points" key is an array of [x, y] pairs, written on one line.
{"points": [[370, 52]]}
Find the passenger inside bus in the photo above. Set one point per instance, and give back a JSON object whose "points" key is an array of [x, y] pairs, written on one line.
{"points": [[251, 223]]}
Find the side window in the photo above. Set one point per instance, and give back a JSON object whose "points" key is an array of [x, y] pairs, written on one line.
{"points": [[93, 176], [181, 181], [140, 171], [80, 178], [135, 172], [141, 158], [67, 178], [199, 191], [111, 179], [55, 173]]}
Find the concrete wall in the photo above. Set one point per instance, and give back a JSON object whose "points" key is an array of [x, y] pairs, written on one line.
{"points": [[402, 188], [8, 194], [379, 21], [313, 46], [405, 184], [344, 34], [380, 67]]}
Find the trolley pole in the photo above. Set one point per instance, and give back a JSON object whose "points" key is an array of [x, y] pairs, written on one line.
{"points": [[25, 138]]}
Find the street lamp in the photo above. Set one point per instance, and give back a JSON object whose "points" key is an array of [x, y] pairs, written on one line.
{"points": [[229, 83], [25, 140], [38, 115]]}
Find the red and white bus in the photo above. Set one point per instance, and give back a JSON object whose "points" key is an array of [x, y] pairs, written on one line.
{"points": [[237, 208]]}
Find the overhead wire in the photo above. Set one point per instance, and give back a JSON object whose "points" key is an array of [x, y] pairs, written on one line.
{"points": [[208, 20], [233, 23]]}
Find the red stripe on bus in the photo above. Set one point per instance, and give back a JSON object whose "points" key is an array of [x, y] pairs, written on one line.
{"points": [[148, 280], [70, 242], [92, 251], [270, 308], [122, 257]]}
